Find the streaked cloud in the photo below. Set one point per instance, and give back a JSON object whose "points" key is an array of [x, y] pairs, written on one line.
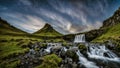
{"points": [[25, 22], [66, 16]]}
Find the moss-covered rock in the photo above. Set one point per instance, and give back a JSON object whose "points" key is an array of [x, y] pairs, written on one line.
{"points": [[50, 61], [72, 54], [82, 47]]}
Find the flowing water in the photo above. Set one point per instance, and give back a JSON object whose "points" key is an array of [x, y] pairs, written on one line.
{"points": [[96, 55], [101, 52], [85, 62], [79, 38], [48, 49], [65, 49], [96, 52]]}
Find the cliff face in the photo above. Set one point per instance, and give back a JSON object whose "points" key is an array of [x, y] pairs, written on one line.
{"points": [[108, 23], [113, 20], [93, 34]]}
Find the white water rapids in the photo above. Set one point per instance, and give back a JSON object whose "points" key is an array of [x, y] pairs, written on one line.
{"points": [[94, 51], [101, 52], [85, 62]]}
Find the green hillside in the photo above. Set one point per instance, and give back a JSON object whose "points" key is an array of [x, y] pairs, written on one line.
{"points": [[47, 30], [6, 28], [113, 32], [13, 42], [110, 29]]}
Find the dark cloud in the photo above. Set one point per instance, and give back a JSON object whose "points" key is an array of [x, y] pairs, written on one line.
{"points": [[66, 16]]}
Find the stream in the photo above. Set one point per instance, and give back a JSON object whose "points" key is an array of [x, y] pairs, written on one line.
{"points": [[96, 56]]}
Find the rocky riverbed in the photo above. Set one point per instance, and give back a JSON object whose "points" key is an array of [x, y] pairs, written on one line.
{"points": [[72, 56]]}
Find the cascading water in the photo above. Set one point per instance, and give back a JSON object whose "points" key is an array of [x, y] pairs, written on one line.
{"points": [[48, 49], [97, 54], [65, 49], [85, 62], [101, 52], [79, 38]]}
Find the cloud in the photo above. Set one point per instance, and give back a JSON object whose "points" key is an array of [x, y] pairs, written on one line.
{"points": [[26, 2], [80, 12], [66, 16], [25, 22]]}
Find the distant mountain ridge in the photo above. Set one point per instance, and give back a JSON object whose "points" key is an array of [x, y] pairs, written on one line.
{"points": [[47, 30], [6, 28], [113, 20], [110, 28]]}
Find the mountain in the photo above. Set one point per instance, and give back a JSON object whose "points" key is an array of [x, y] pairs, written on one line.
{"points": [[110, 29], [6, 28], [113, 20], [47, 30], [113, 33]]}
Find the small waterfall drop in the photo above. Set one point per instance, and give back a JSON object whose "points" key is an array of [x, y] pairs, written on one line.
{"points": [[79, 38], [65, 49], [48, 49], [85, 62]]}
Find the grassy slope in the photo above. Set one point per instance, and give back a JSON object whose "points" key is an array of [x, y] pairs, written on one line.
{"points": [[112, 33], [12, 40], [50, 61], [11, 48], [10, 37], [47, 30], [6, 28], [49, 34]]}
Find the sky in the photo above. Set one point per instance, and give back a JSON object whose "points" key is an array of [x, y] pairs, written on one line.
{"points": [[65, 16]]}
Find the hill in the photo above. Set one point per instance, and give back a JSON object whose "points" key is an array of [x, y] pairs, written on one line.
{"points": [[7, 29], [47, 30], [112, 33], [109, 29]]}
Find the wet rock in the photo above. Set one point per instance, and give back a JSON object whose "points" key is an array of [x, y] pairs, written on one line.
{"points": [[74, 65], [72, 54]]}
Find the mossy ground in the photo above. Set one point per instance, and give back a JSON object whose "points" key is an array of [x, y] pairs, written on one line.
{"points": [[12, 46], [50, 61], [113, 34]]}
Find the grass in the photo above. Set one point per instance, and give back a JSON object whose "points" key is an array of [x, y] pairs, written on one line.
{"points": [[13, 64], [10, 49], [50, 61], [112, 33], [14, 42], [13, 46], [49, 34], [48, 31], [10, 64]]}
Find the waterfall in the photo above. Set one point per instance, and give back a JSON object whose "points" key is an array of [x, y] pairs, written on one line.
{"points": [[101, 52], [79, 38], [85, 62], [48, 49], [65, 49]]}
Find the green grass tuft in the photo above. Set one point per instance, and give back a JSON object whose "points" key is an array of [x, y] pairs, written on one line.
{"points": [[50, 61]]}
